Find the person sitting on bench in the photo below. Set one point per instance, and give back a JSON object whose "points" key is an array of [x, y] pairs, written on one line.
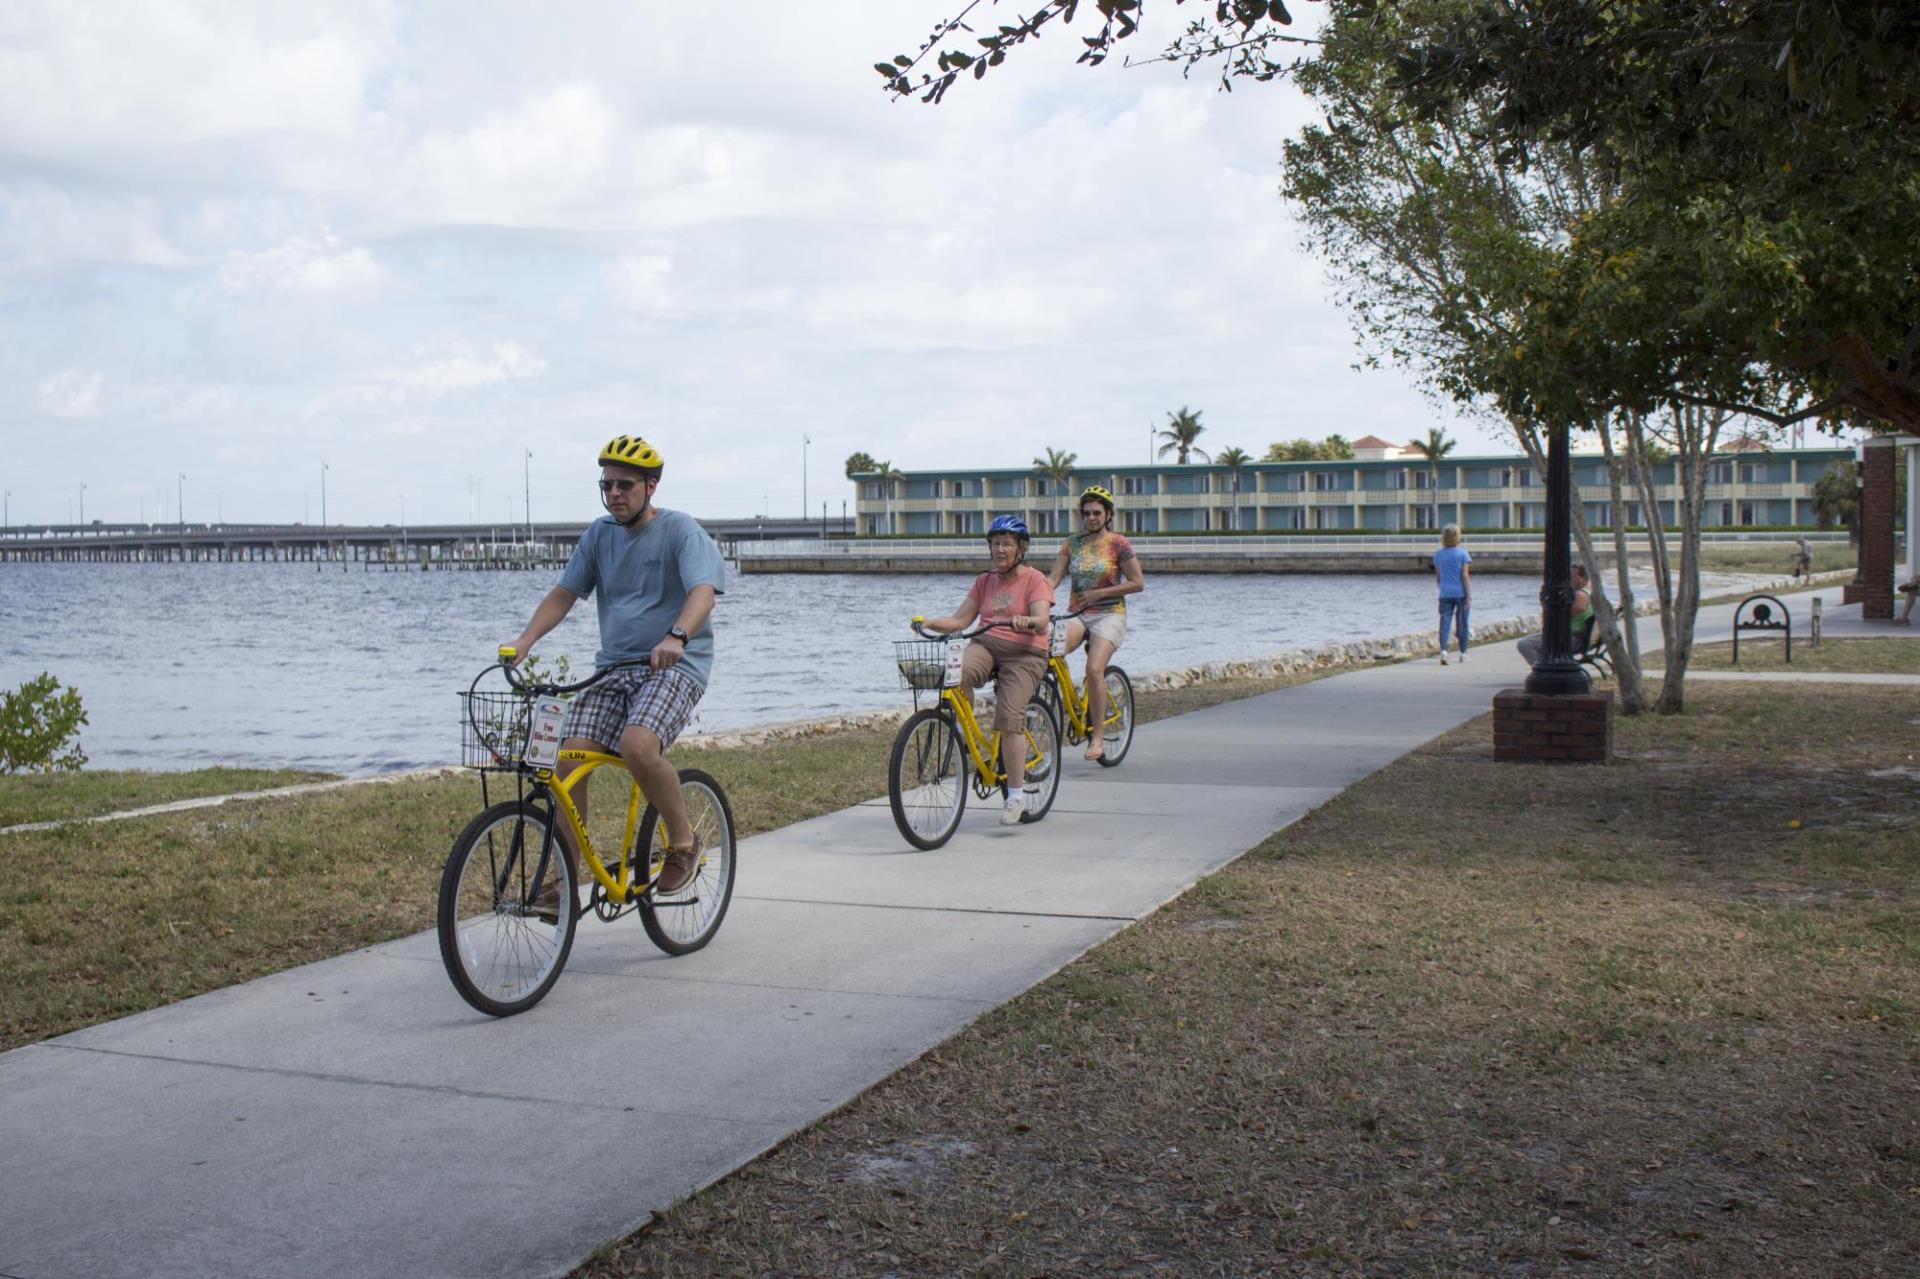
{"points": [[1582, 621]]}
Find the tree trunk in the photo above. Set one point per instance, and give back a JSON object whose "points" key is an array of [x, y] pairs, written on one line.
{"points": [[1628, 633], [1696, 432]]}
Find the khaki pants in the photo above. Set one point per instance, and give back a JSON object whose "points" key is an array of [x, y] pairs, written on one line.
{"points": [[1020, 666]]}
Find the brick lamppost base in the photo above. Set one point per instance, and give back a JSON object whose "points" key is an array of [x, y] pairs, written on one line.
{"points": [[1548, 728]]}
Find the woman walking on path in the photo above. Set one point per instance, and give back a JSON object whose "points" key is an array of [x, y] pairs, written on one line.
{"points": [[1450, 565]]}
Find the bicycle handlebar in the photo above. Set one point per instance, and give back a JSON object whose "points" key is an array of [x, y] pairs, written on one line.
{"points": [[919, 627], [541, 688]]}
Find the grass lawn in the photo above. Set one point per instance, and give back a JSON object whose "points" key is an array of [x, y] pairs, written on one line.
{"points": [[1659, 1017], [1773, 558], [46, 797], [101, 921], [1761, 652]]}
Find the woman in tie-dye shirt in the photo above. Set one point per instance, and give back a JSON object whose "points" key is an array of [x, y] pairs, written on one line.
{"points": [[1105, 571]]}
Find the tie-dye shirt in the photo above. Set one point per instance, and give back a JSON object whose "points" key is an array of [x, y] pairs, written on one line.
{"points": [[1094, 562]]}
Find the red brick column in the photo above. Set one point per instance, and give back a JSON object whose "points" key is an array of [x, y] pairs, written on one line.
{"points": [[1542, 728], [1872, 587]]}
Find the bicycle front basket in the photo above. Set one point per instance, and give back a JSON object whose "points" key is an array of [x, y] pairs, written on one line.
{"points": [[922, 663], [493, 729]]}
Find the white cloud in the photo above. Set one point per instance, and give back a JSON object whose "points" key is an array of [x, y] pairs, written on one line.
{"points": [[512, 168], [71, 393], [379, 225], [43, 227], [463, 369], [641, 281], [459, 368], [313, 265], [120, 78]]}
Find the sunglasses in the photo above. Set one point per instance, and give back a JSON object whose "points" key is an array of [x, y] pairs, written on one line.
{"points": [[621, 486]]}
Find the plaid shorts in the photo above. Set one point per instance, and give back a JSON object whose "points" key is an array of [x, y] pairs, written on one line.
{"points": [[634, 697]]}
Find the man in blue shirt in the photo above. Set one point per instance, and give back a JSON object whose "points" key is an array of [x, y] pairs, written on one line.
{"points": [[654, 575]]}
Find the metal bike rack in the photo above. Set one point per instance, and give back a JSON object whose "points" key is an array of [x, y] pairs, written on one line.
{"points": [[1761, 619]]}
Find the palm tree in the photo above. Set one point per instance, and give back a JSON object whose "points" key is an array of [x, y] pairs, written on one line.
{"points": [[887, 475], [1433, 448], [1235, 460], [1057, 466], [1836, 498], [860, 464], [1180, 432]]}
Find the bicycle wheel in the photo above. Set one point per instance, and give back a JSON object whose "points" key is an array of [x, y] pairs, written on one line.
{"points": [[1043, 758], [504, 878], [1116, 738], [927, 778], [684, 921]]}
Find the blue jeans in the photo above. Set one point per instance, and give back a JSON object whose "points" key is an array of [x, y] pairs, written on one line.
{"points": [[1453, 612]]}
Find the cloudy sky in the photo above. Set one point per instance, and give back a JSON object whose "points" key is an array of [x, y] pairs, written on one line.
{"points": [[414, 242]]}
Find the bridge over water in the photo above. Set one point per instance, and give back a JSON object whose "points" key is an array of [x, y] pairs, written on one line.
{"points": [[436, 546]]}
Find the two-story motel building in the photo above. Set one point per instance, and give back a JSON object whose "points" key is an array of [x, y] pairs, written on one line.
{"points": [[1383, 486]]}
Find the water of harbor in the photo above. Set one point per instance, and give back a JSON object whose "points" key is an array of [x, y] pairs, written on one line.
{"points": [[288, 665]]}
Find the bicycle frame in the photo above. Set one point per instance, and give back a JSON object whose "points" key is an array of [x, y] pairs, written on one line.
{"points": [[1075, 700], [627, 885], [984, 750], [632, 881]]}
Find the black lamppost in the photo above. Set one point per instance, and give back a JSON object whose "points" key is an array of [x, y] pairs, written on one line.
{"points": [[1557, 673]]}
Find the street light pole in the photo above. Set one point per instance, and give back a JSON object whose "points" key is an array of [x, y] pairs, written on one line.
{"points": [[323, 495], [805, 440], [526, 479], [83, 504], [180, 498], [1557, 672]]}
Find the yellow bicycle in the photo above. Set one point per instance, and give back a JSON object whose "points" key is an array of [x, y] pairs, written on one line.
{"points": [[508, 898], [941, 752], [1070, 707]]}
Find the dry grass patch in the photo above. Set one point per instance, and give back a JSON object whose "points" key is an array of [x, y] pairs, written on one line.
{"points": [[49, 797], [1466, 1019], [1775, 558], [1763, 652]]}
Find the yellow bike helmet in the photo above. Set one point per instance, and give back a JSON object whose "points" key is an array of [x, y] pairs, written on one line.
{"points": [[1099, 495], [631, 450]]}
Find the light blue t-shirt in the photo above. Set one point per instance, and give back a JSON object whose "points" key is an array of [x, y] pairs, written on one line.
{"points": [[1447, 562], [639, 580]]}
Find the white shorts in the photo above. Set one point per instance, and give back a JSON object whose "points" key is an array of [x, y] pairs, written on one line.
{"points": [[1111, 627]]}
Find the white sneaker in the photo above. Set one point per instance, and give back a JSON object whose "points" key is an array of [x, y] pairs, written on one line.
{"points": [[1014, 810], [1443, 657], [1461, 657]]}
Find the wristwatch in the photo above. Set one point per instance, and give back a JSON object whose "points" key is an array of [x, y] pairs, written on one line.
{"points": [[678, 632]]}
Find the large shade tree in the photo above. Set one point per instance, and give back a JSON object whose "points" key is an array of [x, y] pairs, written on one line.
{"points": [[1769, 249]]}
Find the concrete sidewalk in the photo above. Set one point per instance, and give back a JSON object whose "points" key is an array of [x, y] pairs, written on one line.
{"points": [[354, 1117]]}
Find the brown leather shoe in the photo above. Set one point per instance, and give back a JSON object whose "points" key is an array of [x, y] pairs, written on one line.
{"points": [[682, 865]]}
